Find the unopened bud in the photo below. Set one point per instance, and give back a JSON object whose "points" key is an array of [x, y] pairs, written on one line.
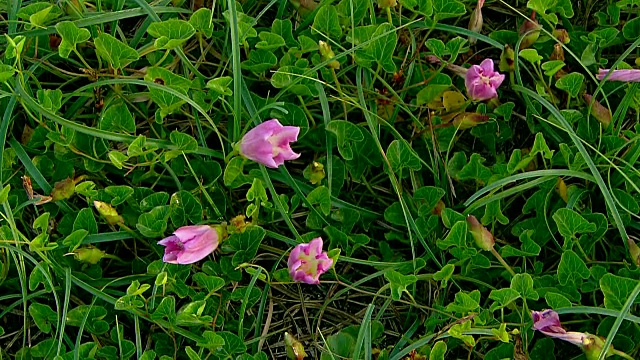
{"points": [[89, 255], [295, 349], [483, 238], [593, 346], [558, 53], [634, 251], [562, 35], [108, 212], [63, 190], [327, 54], [316, 172], [467, 120], [238, 223], [532, 30], [475, 22], [384, 4], [601, 113], [507, 59], [440, 206]]}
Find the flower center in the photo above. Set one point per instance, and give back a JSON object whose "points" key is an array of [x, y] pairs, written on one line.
{"points": [[485, 79], [308, 263]]}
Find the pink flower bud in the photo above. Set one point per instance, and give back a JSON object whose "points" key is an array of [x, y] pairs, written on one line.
{"points": [[307, 262], [189, 244], [269, 143], [632, 75], [482, 81], [475, 22], [601, 113], [482, 236], [532, 31]]}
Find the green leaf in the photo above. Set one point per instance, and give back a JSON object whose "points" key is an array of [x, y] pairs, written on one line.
{"points": [[6, 72], [270, 41], [571, 223], [284, 28], [168, 102], [457, 237], [439, 84], [185, 208], [116, 53], [244, 246], [360, 8], [4, 193], [437, 47], [616, 290], [347, 133], [211, 283], [221, 85], [191, 353], [232, 345], [552, 67], [74, 239], [382, 46], [399, 283], [117, 158], [154, 223], [475, 170], [50, 99], [42, 223], [458, 331], [117, 118], [119, 194], [85, 220], [39, 14], [166, 310], [212, 341], [556, 301], [529, 247], [454, 47], [233, 176], [202, 22], [571, 83], [540, 147], [504, 296], [71, 35], [171, 34], [260, 61], [183, 142], [572, 270], [43, 316], [523, 284], [464, 302], [327, 22], [531, 55], [445, 9], [438, 351], [400, 156]]}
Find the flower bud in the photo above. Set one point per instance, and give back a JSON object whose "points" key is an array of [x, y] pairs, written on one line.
{"points": [[437, 210], [63, 190], [507, 59], [593, 346], [467, 120], [295, 349], [475, 22], [532, 30], [384, 4], [327, 53], [601, 113], [558, 53], [108, 212], [238, 223], [634, 251], [314, 173], [89, 255], [562, 35], [190, 244], [483, 238]]}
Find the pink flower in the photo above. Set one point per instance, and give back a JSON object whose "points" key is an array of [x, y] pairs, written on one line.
{"points": [[269, 143], [620, 75], [548, 323], [189, 244], [482, 81], [307, 262]]}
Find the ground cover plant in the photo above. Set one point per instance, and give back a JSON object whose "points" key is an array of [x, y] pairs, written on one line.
{"points": [[336, 179]]}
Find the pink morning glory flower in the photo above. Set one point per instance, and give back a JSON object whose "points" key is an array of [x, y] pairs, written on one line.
{"points": [[270, 143], [632, 75], [189, 244], [482, 81], [548, 323], [307, 262]]}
